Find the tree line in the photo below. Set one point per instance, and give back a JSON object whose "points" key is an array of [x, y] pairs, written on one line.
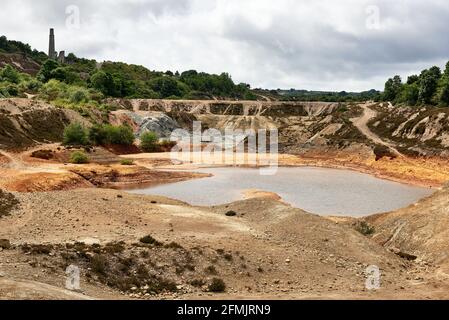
{"points": [[430, 87], [121, 80]]}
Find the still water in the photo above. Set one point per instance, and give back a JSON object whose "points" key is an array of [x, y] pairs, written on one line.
{"points": [[316, 190]]}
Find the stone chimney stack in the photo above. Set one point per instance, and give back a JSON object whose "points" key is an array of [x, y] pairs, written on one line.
{"points": [[61, 57], [51, 46]]}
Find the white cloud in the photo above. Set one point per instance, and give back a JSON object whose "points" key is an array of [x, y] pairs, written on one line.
{"points": [[311, 44]]}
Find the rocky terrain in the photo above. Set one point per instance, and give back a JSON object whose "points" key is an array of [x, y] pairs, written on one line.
{"points": [[25, 122], [21, 62], [418, 131], [53, 215], [167, 249]]}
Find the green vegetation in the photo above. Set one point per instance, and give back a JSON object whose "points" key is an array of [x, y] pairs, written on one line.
{"points": [[431, 87], [10, 46], [75, 134], [364, 228], [81, 82], [127, 162], [149, 141], [325, 96], [79, 157]]}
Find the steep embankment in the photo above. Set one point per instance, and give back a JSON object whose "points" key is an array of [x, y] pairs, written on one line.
{"points": [[415, 130], [24, 123], [420, 231]]}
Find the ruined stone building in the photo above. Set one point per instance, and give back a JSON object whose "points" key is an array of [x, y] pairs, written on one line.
{"points": [[52, 54]]}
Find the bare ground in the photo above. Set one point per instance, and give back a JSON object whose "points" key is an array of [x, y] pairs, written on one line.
{"points": [[268, 250]]}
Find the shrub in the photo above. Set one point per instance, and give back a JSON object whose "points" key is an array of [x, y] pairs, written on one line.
{"points": [[150, 240], [78, 95], [198, 283], [122, 135], [75, 134], [211, 270], [7, 203], [79, 157], [231, 213], [127, 162], [109, 134], [53, 90], [149, 141], [217, 285], [364, 228], [97, 135]]}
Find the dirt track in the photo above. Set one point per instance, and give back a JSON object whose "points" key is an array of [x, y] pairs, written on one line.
{"points": [[362, 124]]}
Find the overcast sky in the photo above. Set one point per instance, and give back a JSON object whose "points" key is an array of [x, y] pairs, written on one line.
{"points": [[304, 44]]}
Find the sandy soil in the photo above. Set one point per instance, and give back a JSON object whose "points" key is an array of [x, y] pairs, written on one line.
{"points": [[268, 250], [23, 173]]}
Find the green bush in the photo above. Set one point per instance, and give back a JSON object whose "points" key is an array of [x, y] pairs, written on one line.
{"points": [[149, 141], [364, 228], [75, 134], [97, 135], [53, 90], [78, 95], [109, 134], [79, 157], [127, 162], [122, 135], [10, 74]]}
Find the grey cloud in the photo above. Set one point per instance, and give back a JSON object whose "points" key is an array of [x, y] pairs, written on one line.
{"points": [[319, 44]]}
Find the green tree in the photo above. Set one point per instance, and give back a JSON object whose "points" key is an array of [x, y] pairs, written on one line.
{"points": [[65, 74], [444, 87], [46, 70], [444, 93], [412, 79], [75, 134], [393, 88], [103, 82], [97, 135], [410, 94], [166, 87], [428, 84]]}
